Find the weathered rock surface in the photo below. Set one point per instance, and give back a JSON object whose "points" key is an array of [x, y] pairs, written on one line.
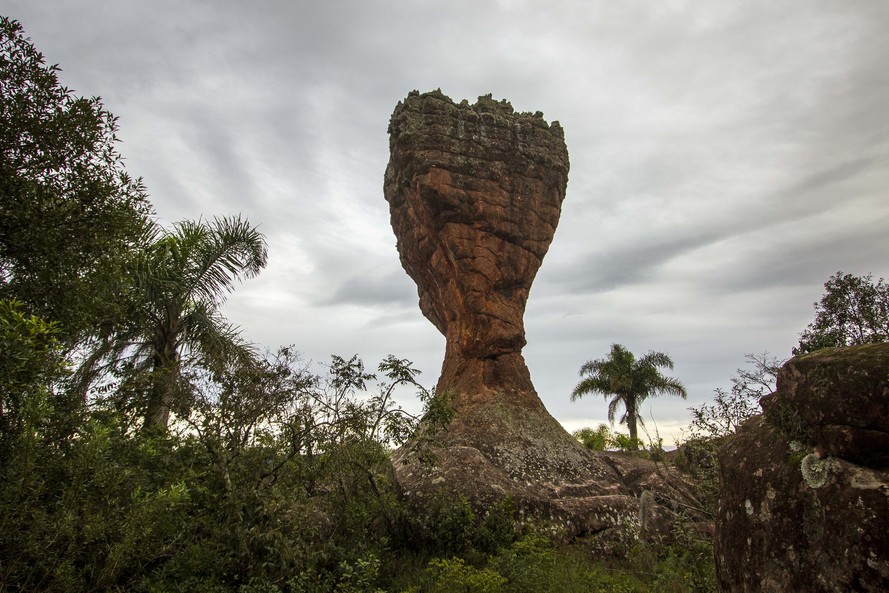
{"points": [[841, 396], [475, 195], [804, 500]]}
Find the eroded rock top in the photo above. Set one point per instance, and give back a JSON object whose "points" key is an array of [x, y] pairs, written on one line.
{"points": [[488, 130], [839, 399]]}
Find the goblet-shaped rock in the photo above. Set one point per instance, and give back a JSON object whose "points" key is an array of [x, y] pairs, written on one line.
{"points": [[475, 193]]}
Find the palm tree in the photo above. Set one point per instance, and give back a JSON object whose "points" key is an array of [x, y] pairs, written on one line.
{"points": [[180, 280], [629, 380]]}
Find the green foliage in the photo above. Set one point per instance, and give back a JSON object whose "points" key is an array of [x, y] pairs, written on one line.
{"points": [[279, 481], [172, 324], [535, 565], [455, 576], [31, 363], [631, 381], [713, 422], [687, 564], [787, 420], [97, 511], [603, 439], [598, 439], [70, 212], [448, 525], [854, 310], [624, 442]]}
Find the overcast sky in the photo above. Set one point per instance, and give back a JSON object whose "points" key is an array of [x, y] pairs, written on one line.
{"points": [[726, 158]]}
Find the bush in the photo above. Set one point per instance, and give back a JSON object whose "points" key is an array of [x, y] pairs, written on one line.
{"points": [[275, 482], [455, 576], [447, 525], [597, 439], [31, 363], [854, 310], [535, 565], [712, 423]]}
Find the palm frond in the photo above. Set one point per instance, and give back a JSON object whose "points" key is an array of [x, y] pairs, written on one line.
{"points": [[656, 360], [629, 380], [671, 386], [613, 405], [213, 342], [175, 285], [229, 250], [593, 384]]}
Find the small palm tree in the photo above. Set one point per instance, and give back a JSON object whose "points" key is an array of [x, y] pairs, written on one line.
{"points": [[629, 380], [180, 280]]}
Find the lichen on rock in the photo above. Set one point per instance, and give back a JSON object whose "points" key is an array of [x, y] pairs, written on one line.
{"points": [[815, 470]]}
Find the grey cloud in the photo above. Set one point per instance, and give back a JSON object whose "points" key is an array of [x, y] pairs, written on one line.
{"points": [[368, 289], [809, 263], [619, 265], [832, 175]]}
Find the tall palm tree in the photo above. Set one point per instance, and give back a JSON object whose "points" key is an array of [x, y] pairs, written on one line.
{"points": [[178, 284], [629, 380]]}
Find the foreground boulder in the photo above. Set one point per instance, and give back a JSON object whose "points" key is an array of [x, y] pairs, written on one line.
{"points": [[475, 194], [804, 498]]}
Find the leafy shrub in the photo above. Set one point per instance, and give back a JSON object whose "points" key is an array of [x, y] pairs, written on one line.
{"points": [[623, 442], [275, 481], [455, 576], [447, 525], [535, 565], [597, 439], [30, 364], [854, 310]]}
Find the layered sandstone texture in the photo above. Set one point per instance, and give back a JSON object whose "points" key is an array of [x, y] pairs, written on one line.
{"points": [[804, 500], [475, 193]]}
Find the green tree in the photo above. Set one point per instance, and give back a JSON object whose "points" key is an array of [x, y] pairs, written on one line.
{"points": [[178, 284], [629, 380], [30, 365], [68, 208], [854, 310]]}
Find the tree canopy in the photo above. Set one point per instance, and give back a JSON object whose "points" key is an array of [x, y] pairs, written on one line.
{"points": [[68, 207], [629, 380], [177, 283], [854, 310]]}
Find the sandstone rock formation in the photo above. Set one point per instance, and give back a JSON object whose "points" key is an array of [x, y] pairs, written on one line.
{"points": [[475, 195], [804, 501]]}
